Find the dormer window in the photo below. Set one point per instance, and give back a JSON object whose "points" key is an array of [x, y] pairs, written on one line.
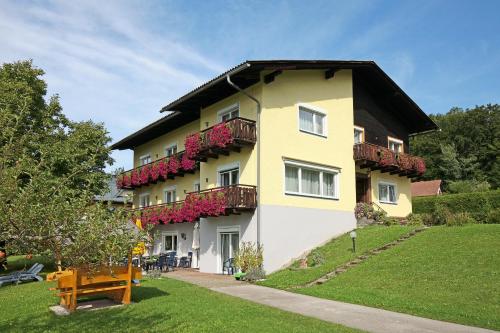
{"points": [[395, 145]]}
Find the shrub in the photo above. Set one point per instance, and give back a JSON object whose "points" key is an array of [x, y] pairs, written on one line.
{"points": [[368, 211], [478, 204], [493, 216], [415, 219], [255, 274], [460, 219], [315, 258], [388, 221], [249, 256], [466, 186]]}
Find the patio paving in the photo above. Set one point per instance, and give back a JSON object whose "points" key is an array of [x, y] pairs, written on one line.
{"points": [[351, 315]]}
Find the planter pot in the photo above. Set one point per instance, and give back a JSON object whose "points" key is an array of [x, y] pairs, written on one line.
{"points": [[239, 276]]}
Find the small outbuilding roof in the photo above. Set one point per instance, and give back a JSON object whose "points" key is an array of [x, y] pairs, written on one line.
{"points": [[426, 188]]}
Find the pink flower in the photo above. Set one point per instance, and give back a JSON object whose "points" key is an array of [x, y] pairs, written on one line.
{"points": [[173, 165], [144, 174], [154, 173], [220, 135], [186, 163], [192, 144], [163, 169], [126, 181], [119, 182], [134, 178]]}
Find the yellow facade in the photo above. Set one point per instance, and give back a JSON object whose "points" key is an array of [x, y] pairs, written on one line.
{"points": [[281, 139]]}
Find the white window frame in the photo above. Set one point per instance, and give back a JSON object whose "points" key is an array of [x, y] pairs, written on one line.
{"points": [[396, 194], [226, 110], [142, 195], [362, 130], [395, 140], [197, 184], [315, 110], [172, 145], [169, 189], [221, 230], [143, 157], [163, 243], [228, 167], [310, 166]]}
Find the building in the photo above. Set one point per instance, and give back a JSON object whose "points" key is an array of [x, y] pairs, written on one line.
{"points": [[116, 197], [426, 188], [300, 143]]}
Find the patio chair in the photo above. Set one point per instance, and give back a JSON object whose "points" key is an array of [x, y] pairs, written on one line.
{"points": [[228, 265], [186, 261], [23, 276], [162, 262], [171, 261]]}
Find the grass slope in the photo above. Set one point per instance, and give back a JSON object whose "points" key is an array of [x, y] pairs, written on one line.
{"points": [[159, 306], [445, 273], [336, 253]]}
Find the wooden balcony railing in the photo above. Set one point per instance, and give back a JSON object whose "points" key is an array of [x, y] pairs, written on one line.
{"points": [[160, 170], [213, 202], [242, 132], [375, 157]]}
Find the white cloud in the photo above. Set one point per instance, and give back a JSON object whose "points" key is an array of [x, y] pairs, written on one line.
{"points": [[103, 59]]}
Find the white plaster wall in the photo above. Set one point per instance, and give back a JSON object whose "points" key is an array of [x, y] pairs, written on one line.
{"points": [[184, 246], [287, 232], [209, 257]]}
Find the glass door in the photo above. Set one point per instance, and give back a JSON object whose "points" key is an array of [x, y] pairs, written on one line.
{"points": [[229, 245]]}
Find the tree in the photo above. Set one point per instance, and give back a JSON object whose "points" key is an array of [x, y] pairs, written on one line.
{"points": [[474, 135], [51, 168]]}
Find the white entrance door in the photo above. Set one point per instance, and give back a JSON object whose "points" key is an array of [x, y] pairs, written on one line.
{"points": [[229, 245]]}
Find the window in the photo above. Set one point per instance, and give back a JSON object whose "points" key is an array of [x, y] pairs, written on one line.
{"points": [[229, 113], [169, 242], [310, 180], [170, 195], [171, 150], [145, 159], [359, 134], [387, 193], [229, 177], [144, 200], [395, 145], [196, 186], [311, 121]]}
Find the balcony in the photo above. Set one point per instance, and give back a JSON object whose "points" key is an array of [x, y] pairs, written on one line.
{"points": [[220, 201], [380, 158], [225, 137], [165, 168]]}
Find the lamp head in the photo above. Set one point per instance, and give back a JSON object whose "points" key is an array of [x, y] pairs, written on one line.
{"points": [[353, 234]]}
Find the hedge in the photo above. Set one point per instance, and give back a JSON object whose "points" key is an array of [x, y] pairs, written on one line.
{"points": [[478, 204]]}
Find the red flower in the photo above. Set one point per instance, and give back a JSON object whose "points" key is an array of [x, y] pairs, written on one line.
{"points": [[134, 178], [404, 162], [419, 165], [173, 165], [119, 182], [186, 163], [144, 174], [192, 144], [386, 158], [126, 181], [220, 136], [154, 172], [163, 169]]}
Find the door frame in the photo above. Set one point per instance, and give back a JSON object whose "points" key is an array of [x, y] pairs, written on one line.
{"points": [[368, 189], [223, 230]]}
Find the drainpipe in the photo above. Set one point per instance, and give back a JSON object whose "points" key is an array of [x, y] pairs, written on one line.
{"points": [[232, 84]]}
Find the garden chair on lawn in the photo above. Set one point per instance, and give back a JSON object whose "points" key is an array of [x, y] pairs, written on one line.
{"points": [[23, 276], [228, 265], [162, 262]]}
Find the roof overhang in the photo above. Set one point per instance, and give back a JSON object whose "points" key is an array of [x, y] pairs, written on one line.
{"points": [[187, 108]]}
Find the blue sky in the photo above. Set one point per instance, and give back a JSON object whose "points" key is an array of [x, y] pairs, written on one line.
{"points": [[119, 62]]}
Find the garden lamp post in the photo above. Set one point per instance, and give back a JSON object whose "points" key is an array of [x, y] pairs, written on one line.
{"points": [[353, 237]]}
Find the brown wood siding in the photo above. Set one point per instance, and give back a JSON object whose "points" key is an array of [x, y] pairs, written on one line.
{"points": [[377, 117]]}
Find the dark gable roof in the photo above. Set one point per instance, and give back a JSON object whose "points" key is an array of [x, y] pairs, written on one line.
{"points": [[187, 108]]}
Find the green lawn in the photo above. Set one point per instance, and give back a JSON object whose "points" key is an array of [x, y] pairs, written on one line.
{"points": [[445, 273], [336, 253], [159, 306]]}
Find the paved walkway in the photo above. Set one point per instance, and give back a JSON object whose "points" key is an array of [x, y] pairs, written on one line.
{"points": [[351, 315]]}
